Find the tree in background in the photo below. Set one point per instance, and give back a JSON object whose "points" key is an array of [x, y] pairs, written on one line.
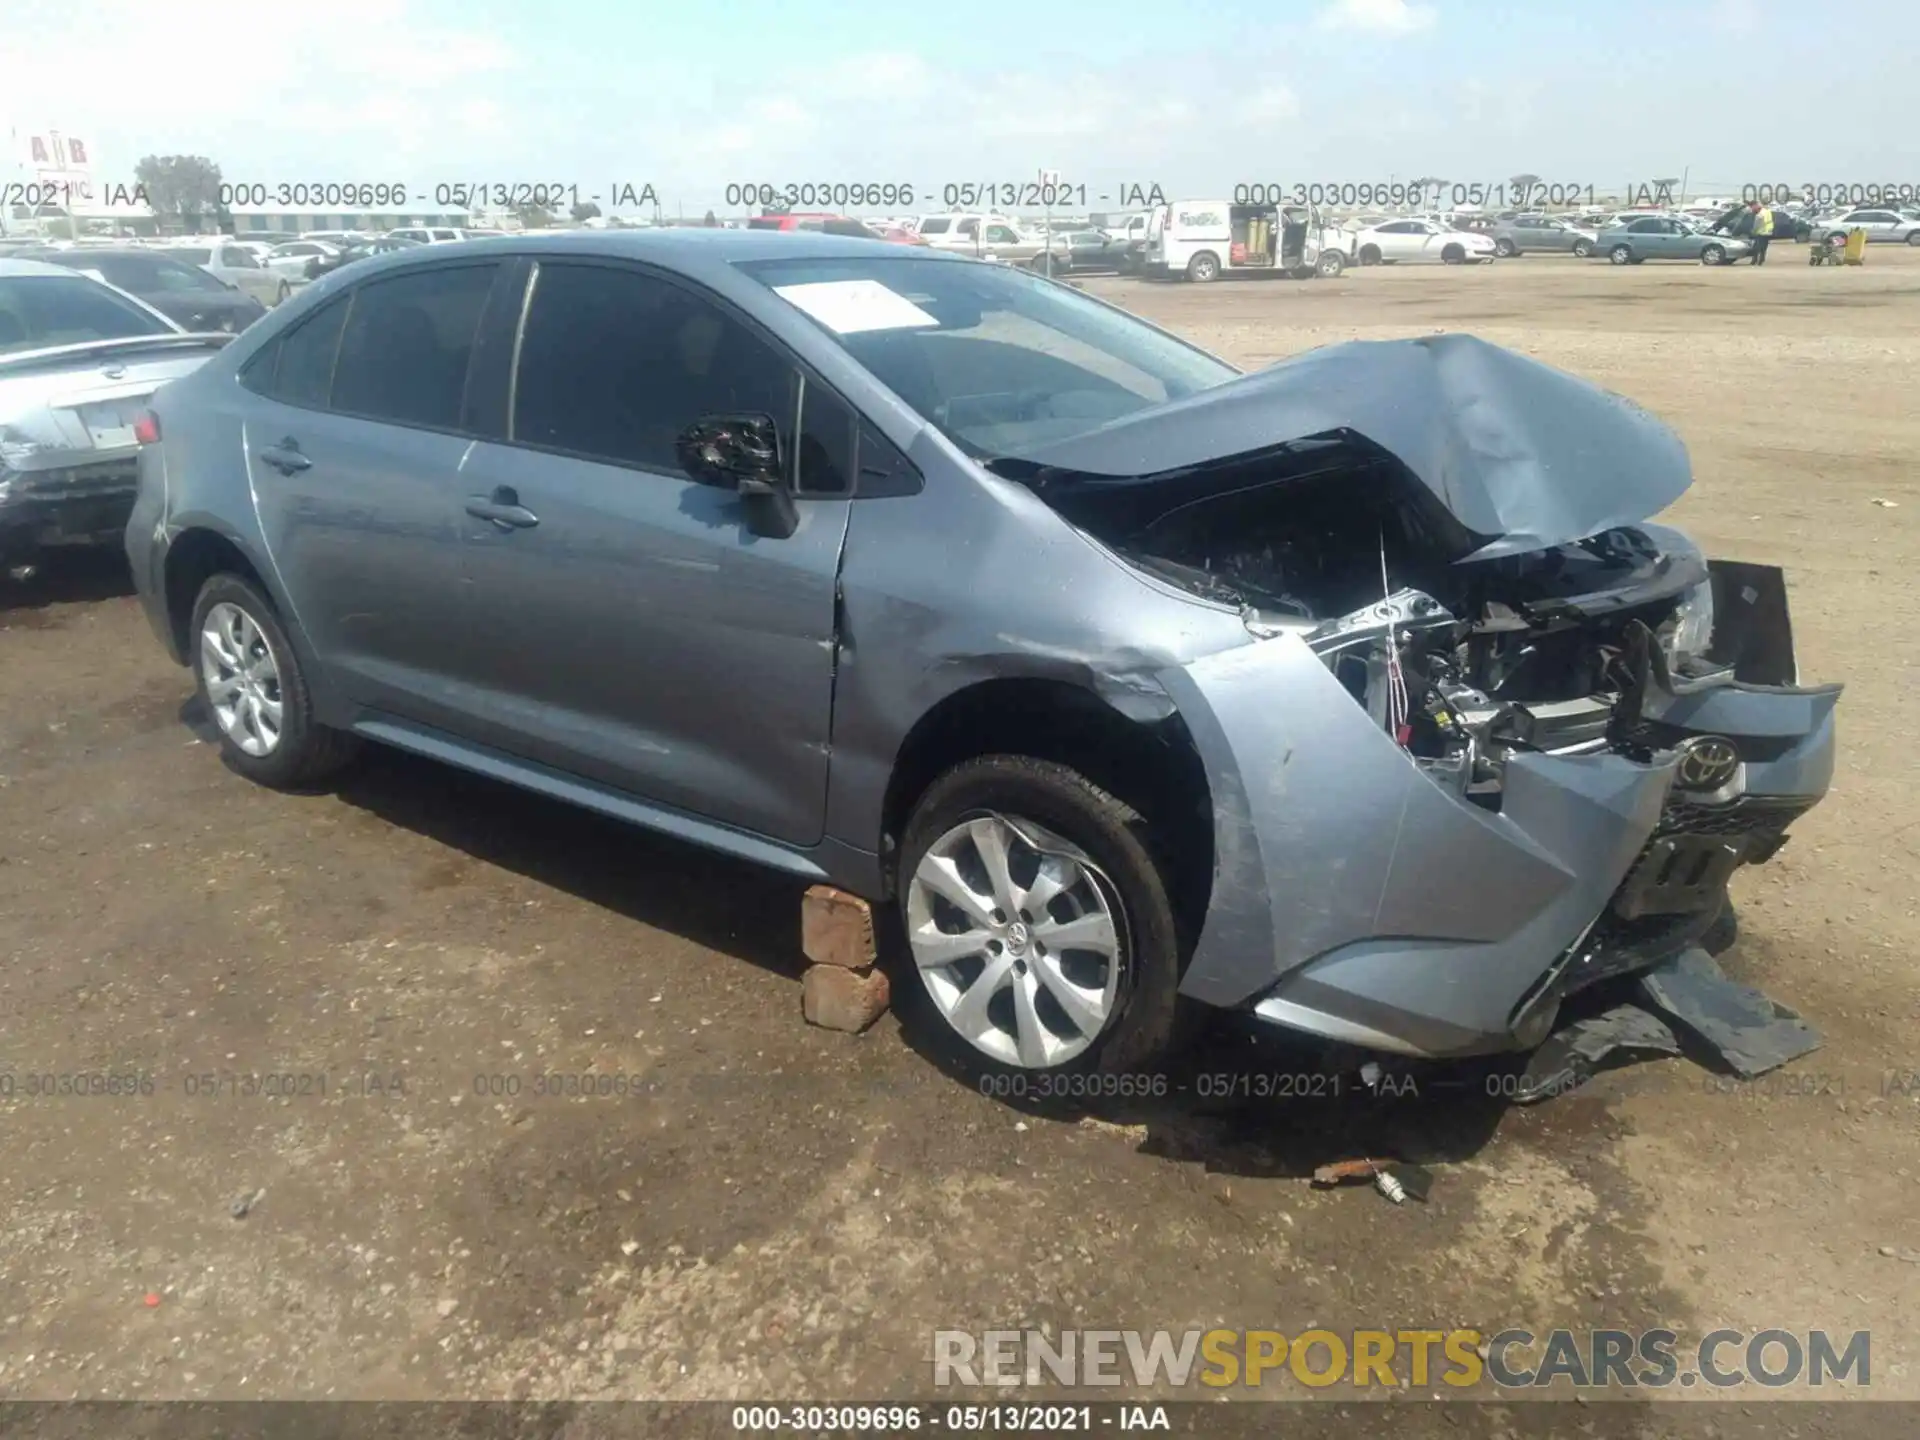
{"points": [[181, 188], [1522, 188], [534, 217], [585, 210], [712, 222]]}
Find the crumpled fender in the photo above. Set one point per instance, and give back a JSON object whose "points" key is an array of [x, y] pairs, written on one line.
{"points": [[1327, 834]]}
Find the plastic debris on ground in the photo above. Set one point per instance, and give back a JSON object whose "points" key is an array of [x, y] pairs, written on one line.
{"points": [[1689, 1006]]}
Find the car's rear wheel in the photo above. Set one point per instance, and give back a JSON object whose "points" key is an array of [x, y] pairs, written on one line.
{"points": [[1037, 921], [1505, 248], [1330, 265], [1620, 255], [1203, 267], [251, 683]]}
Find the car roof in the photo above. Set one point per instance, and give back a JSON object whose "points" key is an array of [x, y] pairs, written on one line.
{"points": [[691, 250], [116, 252], [12, 269]]}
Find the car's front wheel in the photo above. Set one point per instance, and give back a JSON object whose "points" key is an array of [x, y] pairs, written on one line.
{"points": [[1453, 255], [1506, 248], [1330, 264], [1713, 255], [1203, 267], [1582, 249], [1038, 922], [250, 681]]}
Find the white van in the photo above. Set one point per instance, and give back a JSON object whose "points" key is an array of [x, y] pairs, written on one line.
{"points": [[1205, 239]]}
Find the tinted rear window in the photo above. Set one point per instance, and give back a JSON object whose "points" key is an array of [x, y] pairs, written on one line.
{"points": [[407, 344], [43, 310]]}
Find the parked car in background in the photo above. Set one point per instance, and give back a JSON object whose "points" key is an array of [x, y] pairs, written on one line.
{"points": [[231, 262], [429, 235], [1883, 226], [1662, 237], [1161, 742], [352, 254], [292, 258], [984, 237], [1536, 234], [184, 293], [1083, 250], [79, 362], [1420, 242]]}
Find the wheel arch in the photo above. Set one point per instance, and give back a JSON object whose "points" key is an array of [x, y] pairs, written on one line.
{"points": [[1152, 765], [195, 556]]}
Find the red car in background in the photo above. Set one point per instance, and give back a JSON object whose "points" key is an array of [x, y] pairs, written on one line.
{"points": [[835, 225]]}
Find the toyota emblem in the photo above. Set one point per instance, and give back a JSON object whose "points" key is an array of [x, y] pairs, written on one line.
{"points": [[1708, 762]]}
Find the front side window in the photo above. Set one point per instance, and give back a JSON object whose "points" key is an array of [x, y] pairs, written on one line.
{"points": [[999, 359], [40, 311], [615, 364], [406, 345]]}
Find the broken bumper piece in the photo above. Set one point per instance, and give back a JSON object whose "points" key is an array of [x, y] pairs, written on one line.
{"points": [[1359, 899]]}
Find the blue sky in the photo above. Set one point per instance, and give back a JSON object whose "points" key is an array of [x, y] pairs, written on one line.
{"points": [[1194, 96]]}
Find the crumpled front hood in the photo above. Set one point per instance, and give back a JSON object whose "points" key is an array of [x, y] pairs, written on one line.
{"points": [[1525, 456]]}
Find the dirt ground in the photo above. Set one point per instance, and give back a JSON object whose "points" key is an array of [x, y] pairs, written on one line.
{"points": [[776, 1211]]}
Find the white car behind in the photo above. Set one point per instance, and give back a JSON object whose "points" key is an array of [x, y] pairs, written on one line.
{"points": [[1420, 242]]}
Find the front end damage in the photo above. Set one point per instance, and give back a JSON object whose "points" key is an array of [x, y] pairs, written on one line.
{"points": [[1459, 776]]}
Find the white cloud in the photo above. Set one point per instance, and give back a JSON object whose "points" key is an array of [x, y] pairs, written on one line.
{"points": [[340, 94], [1378, 17], [1734, 17]]}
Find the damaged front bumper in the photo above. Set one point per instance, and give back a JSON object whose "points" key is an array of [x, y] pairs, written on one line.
{"points": [[1363, 897]]}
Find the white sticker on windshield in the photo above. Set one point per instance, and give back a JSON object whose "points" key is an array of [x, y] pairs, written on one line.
{"points": [[848, 307]]}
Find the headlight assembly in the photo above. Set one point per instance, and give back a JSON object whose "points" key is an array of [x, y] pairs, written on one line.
{"points": [[1691, 631]]}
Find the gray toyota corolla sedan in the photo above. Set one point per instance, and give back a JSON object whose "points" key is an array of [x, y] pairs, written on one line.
{"points": [[1357, 693]]}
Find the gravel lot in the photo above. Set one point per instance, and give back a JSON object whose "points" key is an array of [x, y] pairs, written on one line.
{"points": [[786, 1212]]}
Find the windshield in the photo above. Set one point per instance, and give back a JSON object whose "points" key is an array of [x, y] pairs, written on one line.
{"points": [[44, 310], [1000, 360]]}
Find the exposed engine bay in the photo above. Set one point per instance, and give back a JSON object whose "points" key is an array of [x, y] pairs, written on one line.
{"points": [[1462, 661]]}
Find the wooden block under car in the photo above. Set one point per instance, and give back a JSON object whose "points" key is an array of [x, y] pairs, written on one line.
{"points": [[836, 928], [836, 998]]}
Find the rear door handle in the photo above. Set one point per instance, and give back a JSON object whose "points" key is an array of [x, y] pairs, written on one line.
{"points": [[286, 457], [503, 508]]}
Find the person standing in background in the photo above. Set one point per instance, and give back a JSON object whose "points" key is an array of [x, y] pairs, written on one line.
{"points": [[1762, 231]]}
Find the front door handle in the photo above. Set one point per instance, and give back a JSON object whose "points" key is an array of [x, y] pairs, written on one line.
{"points": [[286, 457], [503, 508]]}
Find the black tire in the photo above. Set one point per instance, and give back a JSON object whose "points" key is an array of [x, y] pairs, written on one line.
{"points": [[1620, 255], [1713, 254], [1203, 268], [1148, 1013], [1330, 265], [1913, 237], [1505, 248], [1370, 255], [1453, 255], [1582, 249], [307, 751]]}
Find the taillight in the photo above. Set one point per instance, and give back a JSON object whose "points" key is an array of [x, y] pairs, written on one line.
{"points": [[147, 428]]}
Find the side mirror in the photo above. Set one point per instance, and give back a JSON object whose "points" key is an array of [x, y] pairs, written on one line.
{"points": [[742, 453]]}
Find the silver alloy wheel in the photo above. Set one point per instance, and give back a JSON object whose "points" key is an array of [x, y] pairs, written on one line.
{"points": [[243, 680], [1016, 938]]}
